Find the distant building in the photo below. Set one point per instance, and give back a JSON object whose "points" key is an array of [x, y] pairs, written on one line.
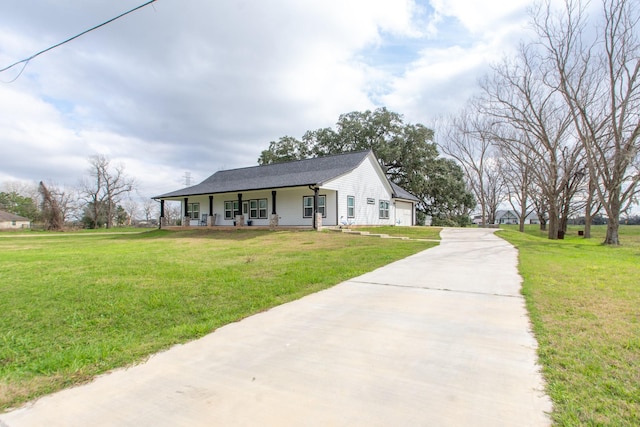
{"points": [[510, 217], [9, 221]]}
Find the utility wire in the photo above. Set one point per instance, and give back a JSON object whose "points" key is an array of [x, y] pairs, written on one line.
{"points": [[26, 60]]}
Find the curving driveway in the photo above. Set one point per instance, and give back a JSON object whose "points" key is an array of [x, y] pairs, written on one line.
{"points": [[437, 339]]}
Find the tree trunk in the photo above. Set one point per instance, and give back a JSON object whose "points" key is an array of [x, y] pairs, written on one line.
{"points": [[587, 210], [613, 211], [522, 218], [587, 225], [612, 232], [563, 223], [553, 223]]}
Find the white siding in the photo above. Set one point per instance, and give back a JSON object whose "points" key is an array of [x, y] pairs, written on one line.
{"points": [[367, 181], [14, 225]]}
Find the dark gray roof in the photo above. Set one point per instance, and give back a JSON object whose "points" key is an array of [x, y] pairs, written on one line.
{"points": [[401, 193], [6, 216], [299, 173]]}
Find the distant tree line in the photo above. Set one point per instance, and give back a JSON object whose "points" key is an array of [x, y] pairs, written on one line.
{"points": [[102, 199]]}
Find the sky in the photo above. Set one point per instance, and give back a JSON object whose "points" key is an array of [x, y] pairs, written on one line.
{"points": [[195, 86]]}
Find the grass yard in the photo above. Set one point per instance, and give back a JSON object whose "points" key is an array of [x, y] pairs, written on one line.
{"points": [[584, 301], [74, 305]]}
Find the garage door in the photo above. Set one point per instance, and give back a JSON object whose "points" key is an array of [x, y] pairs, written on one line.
{"points": [[404, 213]]}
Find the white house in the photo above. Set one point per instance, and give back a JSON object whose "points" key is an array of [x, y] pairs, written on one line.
{"points": [[344, 189], [9, 221], [510, 217]]}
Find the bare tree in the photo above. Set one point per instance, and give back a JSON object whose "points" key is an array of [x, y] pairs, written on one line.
{"points": [[51, 212], [149, 209], [468, 140], [26, 189], [67, 201], [571, 161], [591, 205], [64, 200], [516, 170], [172, 213], [599, 78], [495, 186], [131, 207], [105, 189], [518, 98]]}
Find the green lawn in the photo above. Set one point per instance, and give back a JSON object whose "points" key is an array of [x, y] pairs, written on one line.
{"points": [[584, 301], [76, 305]]}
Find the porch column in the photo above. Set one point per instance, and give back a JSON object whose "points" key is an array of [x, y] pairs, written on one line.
{"points": [[210, 220], [273, 202], [162, 219], [273, 222], [315, 208], [186, 221], [239, 216]]}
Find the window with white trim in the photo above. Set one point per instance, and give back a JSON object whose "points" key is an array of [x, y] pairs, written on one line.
{"points": [[193, 210], [307, 206], [384, 209], [262, 208], [351, 207], [258, 209], [230, 208]]}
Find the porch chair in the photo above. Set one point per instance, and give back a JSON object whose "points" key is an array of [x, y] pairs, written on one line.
{"points": [[203, 221]]}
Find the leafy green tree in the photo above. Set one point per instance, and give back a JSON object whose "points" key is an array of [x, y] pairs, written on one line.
{"points": [[19, 205], [445, 196], [405, 151], [121, 216], [286, 149]]}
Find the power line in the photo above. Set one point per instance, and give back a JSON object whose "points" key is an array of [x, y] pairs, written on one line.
{"points": [[26, 60]]}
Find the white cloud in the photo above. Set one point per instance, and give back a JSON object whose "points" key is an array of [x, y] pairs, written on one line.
{"points": [[198, 86], [465, 37], [480, 17]]}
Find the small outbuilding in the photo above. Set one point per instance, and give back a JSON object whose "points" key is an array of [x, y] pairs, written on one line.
{"points": [[344, 189]]}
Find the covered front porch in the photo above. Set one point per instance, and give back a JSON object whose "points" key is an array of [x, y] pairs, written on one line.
{"points": [[297, 207]]}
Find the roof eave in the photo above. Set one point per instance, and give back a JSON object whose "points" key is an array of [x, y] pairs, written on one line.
{"points": [[169, 196]]}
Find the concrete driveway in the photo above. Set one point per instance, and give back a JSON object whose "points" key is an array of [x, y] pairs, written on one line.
{"points": [[437, 339]]}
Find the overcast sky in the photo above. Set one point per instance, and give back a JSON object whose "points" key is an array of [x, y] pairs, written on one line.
{"points": [[197, 86]]}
